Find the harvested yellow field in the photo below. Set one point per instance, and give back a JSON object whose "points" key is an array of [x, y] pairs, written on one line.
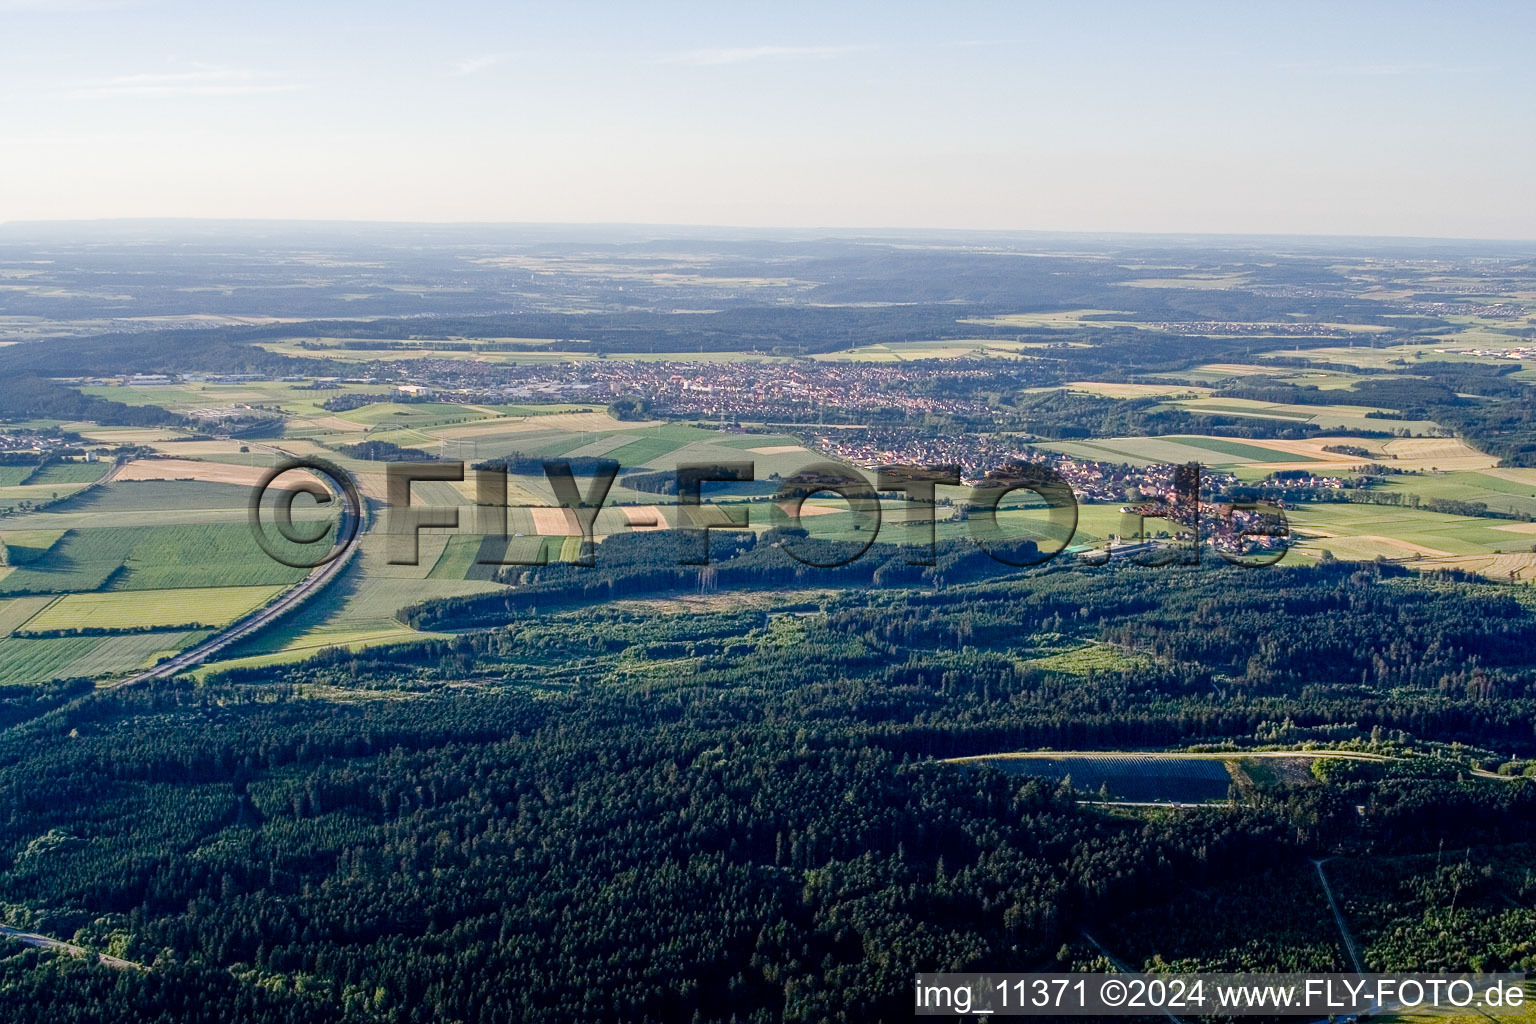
{"points": [[206, 472], [124, 435], [1372, 545], [1114, 390], [776, 449], [37, 492], [1412, 453], [371, 485], [807, 509], [555, 522], [642, 517], [1237, 369], [1315, 468], [1444, 453], [1313, 448], [335, 423], [304, 449], [1520, 567], [572, 421], [1518, 528], [1407, 546], [203, 449]]}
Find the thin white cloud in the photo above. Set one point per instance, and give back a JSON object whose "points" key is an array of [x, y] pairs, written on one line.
{"points": [[470, 65], [204, 81], [742, 54]]}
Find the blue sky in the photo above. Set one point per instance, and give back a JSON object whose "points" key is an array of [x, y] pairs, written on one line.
{"points": [[1329, 119]]}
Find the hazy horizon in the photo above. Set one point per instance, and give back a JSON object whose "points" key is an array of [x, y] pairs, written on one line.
{"points": [[748, 231]]}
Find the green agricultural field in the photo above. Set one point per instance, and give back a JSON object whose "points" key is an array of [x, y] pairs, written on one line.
{"points": [[1211, 373], [117, 655], [1404, 357], [69, 473], [551, 409], [292, 398], [147, 503], [903, 351], [201, 556], [160, 496], [168, 396], [15, 611], [1200, 282], [645, 451], [83, 560], [1097, 523], [34, 495], [51, 519], [1499, 493], [414, 415], [128, 610], [148, 558], [634, 446], [331, 348], [532, 435], [460, 560], [26, 546], [1240, 452], [1142, 451], [1246, 407], [28, 662], [1115, 389], [1499, 549], [1338, 416], [12, 476], [1068, 319]]}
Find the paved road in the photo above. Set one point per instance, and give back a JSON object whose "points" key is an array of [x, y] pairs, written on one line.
{"points": [[44, 942]]}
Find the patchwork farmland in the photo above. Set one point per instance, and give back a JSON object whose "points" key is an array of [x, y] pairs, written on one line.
{"points": [[175, 520]]}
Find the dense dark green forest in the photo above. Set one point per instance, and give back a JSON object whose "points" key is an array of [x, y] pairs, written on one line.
{"points": [[612, 813]]}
